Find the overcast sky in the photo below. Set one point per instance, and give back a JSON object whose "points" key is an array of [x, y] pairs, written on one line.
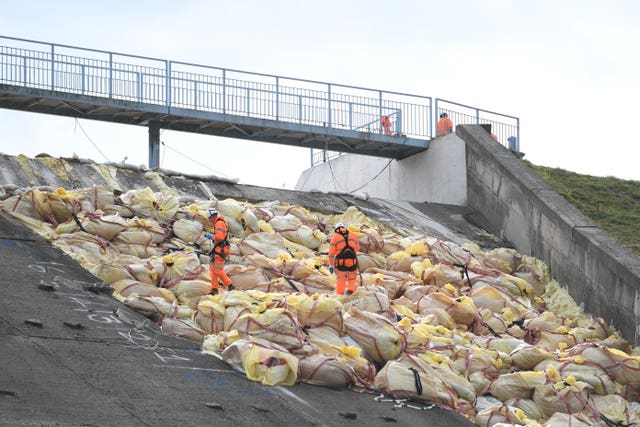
{"points": [[568, 69]]}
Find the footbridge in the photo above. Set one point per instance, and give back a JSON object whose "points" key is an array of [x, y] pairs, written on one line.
{"points": [[327, 118]]}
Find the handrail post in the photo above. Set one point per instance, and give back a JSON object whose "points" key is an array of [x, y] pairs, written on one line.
{"points": [[195, 95], [168, 84], [299, 108], [82, 77], [224, 91], [53, 67], [329, 105], [248, 101], [277, 98], [110, 75], [433, 118], [24, 70], [380, 109]]}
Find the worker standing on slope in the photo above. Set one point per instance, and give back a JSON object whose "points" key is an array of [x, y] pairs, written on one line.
{"points": [[445, 125], [343, 258], [220, 251]]}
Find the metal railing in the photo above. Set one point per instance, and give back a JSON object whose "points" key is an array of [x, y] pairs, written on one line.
{"points": [[70, 69], [503, 128], [172, 84]]}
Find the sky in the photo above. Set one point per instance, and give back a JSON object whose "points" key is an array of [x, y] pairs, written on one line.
{"points": [[569, 70]]}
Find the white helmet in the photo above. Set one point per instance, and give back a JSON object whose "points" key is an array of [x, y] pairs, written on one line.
{"points": [[339, 225], [211, 212]]}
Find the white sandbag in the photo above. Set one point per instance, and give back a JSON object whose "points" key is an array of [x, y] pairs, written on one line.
{"points": [[185, 328], [325, 370], [267, 244], [188, 230]]}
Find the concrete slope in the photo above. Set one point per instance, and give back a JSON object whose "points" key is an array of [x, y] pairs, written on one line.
{"points": [[72, 355]]}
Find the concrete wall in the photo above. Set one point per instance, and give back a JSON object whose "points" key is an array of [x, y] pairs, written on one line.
{"points": [[436, 175], [517, 205]]}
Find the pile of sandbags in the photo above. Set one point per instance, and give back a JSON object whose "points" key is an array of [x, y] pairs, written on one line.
{"points": [[485, 333]]}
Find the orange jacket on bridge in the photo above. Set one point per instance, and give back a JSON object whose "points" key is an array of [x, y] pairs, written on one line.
{"points": [[445, 125]]}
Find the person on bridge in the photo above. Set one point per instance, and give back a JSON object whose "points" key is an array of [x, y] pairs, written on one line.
{"points": [[220, 252], [445, 125], [385, 125], [343, 251]]}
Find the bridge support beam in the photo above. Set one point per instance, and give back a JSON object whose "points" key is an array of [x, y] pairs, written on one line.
{"points": [[154, 146]]}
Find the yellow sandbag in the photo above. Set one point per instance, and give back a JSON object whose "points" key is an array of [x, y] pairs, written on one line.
{"points": [[501, 415], [563, 420], [620, 366], [96, 197], [316, 310], [516, 385], [371, 301], [400, 381], [467, 360], [127, 287], [154, 228], [526, 357], [246, 276], [616, 410], [434, 366], [461, 309], [561, 397], [209, 315], [598, 379], [276, 325], [189, 292], [528, 406], [105, 226], [269, 366], [154, 307], [378, 336], [137, 243]]}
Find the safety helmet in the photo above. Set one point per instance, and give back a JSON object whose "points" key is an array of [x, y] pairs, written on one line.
{"points": [[339, 225], [211, 212]]}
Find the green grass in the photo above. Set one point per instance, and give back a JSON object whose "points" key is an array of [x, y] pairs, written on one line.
{"points": [[613, 204]]}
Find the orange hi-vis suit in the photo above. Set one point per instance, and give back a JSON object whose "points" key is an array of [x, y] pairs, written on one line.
{"points": [[445, 126], [345, 279], [221, 251], [385, 124]]}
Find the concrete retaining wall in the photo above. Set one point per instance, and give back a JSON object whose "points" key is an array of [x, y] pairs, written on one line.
{"points": [[518, 206], [437, 175]]}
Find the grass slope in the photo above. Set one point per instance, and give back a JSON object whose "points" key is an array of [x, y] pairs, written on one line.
{"points": [[613, 204]]}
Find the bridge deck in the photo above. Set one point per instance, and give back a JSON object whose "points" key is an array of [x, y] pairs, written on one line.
{"points": [[121, 88]]}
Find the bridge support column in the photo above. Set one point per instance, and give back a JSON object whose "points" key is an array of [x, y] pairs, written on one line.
{"points": [[154, 146]]}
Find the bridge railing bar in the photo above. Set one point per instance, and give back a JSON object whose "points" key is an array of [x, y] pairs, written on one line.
{"points": [[505, 128]]}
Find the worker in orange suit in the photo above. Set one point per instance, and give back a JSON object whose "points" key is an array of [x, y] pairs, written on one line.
{"points": [[220, 252], [343, 259], [445, 125], [385, 125]]}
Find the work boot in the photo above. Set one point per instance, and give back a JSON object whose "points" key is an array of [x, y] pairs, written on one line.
{"points": [[230, 287], [348, 293], [214, 291]]}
